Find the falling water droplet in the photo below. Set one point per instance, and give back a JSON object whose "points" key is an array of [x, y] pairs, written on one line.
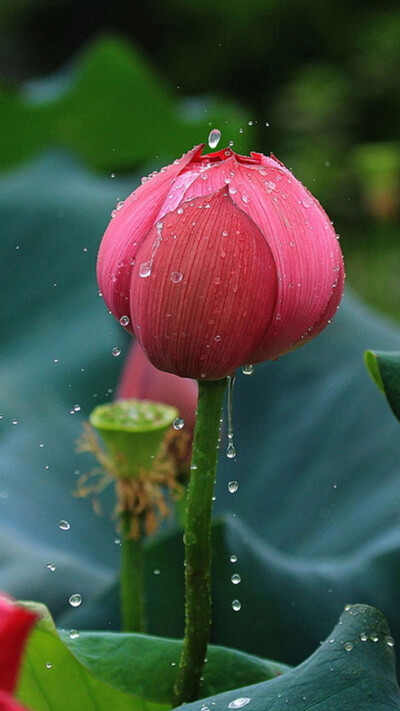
{"points": [[248, 369], [236, 579], [233, 487], [51, 566], [73, 634], [64, 525], [116, 352], [236, 605], [124, 320], [230, 450], [214, 137], [176, 277], [178, 423], [75, 600]]}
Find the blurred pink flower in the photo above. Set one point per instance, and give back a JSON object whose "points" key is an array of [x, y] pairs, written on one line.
{"points": [[141, 380], [15, 624]]}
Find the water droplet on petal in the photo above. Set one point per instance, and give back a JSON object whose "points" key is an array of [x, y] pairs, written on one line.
{"points": [[64, 525], [178, 423], [236, 579], [124, 320], [145, 270], [214, 138], [176, 277], [75, 600], [233, 487], [236, 605]]}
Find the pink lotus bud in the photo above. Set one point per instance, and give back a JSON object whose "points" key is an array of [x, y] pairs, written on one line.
{"points": [[220, 261]]}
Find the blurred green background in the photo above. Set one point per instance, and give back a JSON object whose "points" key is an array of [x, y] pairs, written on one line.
{"points": [[128, 86]]}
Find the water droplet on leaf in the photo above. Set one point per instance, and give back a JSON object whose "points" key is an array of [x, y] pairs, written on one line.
{"points": [[236, 605], [73, 634], [64, 525], [236, 579], [124, 320], [233, 487], [116, 352], [248, 369], [51, 566], [239, 703]]}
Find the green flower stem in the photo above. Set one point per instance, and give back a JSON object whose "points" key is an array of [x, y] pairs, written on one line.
{"points": [[198, 540], [132, 578]]}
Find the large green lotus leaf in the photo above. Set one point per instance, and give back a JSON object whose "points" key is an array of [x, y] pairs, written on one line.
{"points": [[111, 109], [52, 679], [353, 669], [314, 522], [384, 369], [146, 666]]}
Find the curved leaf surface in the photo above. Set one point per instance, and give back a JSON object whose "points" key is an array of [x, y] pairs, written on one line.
{"points": [[352, 669], [384, 369], [147, 666], [52, 679], [111, 109]]}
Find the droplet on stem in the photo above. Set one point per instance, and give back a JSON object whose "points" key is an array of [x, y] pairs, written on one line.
{"points": [[230, 450]]}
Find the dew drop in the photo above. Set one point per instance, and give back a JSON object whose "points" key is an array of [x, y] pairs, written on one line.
{"points": [[217, 338], [64, 525], [48, 665], [348, 646], [214, 138], [116, 352], [73, 634], [245, 198], [389, 641], [236, 605], [145, 270], [179, 210], [176, 277], [178, 423], [248, 369], [124, 320], [51, 566], [233, 559], [363, 636], [236, 579], [233, 487], [374, 637], [75, 600], [239, 703]]}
